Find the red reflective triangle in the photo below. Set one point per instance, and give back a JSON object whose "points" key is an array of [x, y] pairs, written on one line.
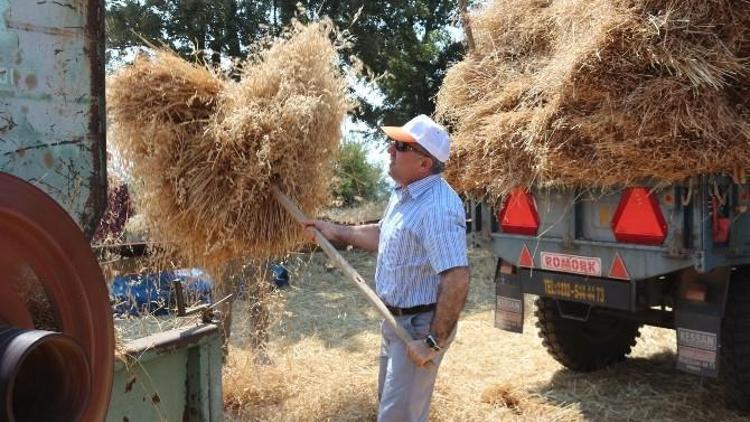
{"points": [[519, 215], [638, 218], [618, 270], [525, 260]]}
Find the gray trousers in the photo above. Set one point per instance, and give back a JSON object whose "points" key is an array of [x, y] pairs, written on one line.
{"points": [[404, 389]]}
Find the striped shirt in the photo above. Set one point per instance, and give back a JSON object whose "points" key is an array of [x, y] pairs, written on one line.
{"points": [[422, 233]]}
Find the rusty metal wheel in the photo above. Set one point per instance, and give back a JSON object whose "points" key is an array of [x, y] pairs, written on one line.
{"points": [[51, 281]]}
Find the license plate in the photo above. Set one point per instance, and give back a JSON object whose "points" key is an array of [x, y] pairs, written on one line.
{"points": [[578, 292], [574, 264]]}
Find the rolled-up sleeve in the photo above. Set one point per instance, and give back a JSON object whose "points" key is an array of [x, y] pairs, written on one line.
{"points": [[444, 237]]}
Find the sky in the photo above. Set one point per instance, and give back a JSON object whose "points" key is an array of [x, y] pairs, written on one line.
{"points": [[353, 131], [376, 151]]}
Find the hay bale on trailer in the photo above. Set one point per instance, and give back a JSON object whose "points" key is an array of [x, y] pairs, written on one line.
{"points": [[599, 93]]}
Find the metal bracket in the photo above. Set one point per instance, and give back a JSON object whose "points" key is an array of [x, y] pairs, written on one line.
{"points": [[207, 311]]}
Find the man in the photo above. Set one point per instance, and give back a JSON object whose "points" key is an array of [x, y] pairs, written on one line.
{"points": [[422, 270]]}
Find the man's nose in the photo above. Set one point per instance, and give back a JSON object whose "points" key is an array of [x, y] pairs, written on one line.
{"points": [[391, 149]]}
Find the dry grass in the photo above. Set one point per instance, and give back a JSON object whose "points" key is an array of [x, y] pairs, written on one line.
{"points": [[367, 212], [323, 364], [603, 92], [204, 149]]}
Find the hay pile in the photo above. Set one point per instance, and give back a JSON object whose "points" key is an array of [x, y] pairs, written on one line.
{"points": [[599, 92], [205, 149]]}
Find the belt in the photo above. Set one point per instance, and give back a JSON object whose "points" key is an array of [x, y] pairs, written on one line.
{"points": [[411, 311]]}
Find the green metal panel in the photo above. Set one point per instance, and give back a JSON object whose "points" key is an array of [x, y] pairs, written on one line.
{"points": [[52, 112], [170, 376]]}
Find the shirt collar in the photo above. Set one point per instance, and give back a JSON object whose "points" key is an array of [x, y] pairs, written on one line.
{"points": [[417, 188]]}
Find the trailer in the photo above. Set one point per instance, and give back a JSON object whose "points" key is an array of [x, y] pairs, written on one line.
{"points": [[605, 262]]}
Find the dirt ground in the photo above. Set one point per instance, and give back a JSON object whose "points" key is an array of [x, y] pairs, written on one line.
{"points": [[320, 363]]}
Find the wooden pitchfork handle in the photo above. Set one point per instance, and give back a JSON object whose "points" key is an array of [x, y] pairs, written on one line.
{"points": [[343, 265]]}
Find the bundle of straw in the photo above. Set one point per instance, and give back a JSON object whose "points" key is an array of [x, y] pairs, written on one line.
{"points": [[599, 93], [206, 149]]}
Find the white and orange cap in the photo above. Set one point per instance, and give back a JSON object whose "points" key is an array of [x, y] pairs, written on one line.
{"points": [[425, 132]]}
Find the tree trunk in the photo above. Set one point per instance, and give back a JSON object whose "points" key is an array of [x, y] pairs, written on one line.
{"points": [[232, 35], [463, 6]]}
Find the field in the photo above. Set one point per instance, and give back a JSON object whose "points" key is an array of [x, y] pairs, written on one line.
{"points": [[320, 363]]}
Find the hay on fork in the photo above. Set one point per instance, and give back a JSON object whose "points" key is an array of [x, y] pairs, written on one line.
{"points": [[599, 93], [206, 149]]}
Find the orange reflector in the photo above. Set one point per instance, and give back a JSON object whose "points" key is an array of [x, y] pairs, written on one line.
{"points": [[618, 270], [525, 260], [696, 293]]}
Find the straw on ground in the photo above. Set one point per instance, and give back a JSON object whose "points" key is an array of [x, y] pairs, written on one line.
{"points": [[324, 352]]}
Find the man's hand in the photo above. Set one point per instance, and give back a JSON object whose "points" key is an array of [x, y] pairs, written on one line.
{"points": [[361, 237], [420, 353], [328, 230]]}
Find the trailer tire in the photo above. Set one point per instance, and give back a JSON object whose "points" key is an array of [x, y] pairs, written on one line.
{"points": [[734, 369], [584, 346]]}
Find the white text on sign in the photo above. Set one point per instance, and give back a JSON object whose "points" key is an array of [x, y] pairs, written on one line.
{"points": [[585, 265]]}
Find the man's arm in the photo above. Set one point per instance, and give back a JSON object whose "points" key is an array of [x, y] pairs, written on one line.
{"points": [[363, 237], [454, 287], [452, 293]]}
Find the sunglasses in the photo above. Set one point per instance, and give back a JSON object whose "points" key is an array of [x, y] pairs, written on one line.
{"points": [[405, 146]]}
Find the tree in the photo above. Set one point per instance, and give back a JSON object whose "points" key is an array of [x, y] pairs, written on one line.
{"points": [[355, 179], [186, 26], [407, 42]]}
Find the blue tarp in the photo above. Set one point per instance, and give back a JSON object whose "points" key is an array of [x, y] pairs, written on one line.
{"points": [[133, 294], [152, 293]]}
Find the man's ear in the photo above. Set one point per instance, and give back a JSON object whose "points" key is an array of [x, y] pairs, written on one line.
{"points": [[426, 163]]}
